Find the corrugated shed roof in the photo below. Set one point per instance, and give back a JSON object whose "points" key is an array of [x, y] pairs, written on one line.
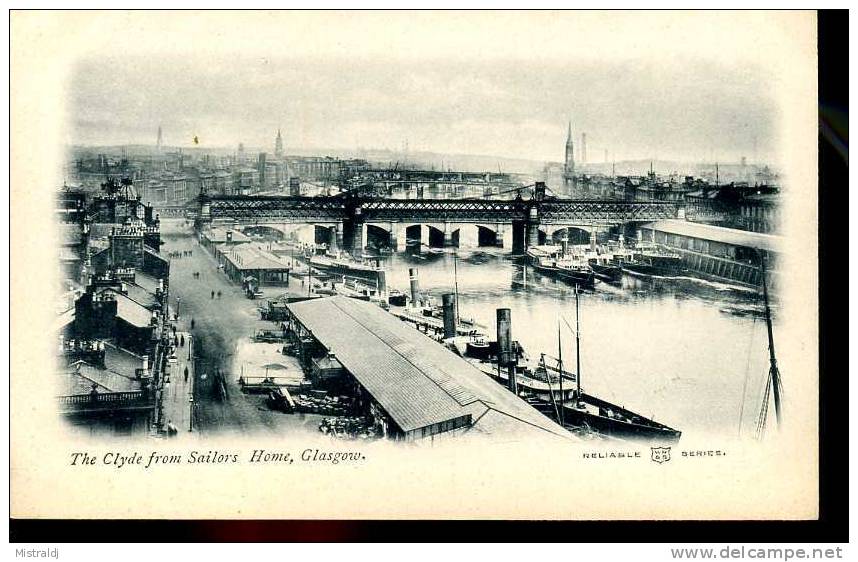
{"points": [[247, 257], [746, 238], [416, 380], [218, 235]]}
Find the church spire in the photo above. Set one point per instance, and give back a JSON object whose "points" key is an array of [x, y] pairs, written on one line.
{"points": [[278, 144], [569, 159]]}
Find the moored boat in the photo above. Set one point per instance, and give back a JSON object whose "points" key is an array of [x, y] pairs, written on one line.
{"points": [[339, 266], [552, 262], [653, 259]]}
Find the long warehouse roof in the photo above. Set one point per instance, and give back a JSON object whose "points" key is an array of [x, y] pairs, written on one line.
{"points": [[417, 381], [769, 242]]}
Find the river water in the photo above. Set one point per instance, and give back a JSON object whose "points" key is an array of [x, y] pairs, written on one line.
{"points": [[682, 350]]}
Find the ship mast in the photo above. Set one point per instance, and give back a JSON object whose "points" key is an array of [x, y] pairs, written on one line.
{"points": [[456, 281], [560, 373], [577, 351], [773, 383]]}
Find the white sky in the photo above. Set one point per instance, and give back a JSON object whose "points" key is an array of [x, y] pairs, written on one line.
{"points": [[636, 101]]}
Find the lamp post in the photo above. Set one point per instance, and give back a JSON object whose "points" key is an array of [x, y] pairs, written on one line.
{"points": [[191, 419], [178, 305]]}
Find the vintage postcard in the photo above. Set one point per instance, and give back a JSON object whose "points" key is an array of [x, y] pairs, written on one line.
{"points": [[405, 265]]}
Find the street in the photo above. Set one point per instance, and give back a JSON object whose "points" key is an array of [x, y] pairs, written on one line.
{"points": [[219, 324], [175, 399]]}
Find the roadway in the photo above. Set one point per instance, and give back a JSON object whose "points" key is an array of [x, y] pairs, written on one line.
{"points": [[219, 325]]}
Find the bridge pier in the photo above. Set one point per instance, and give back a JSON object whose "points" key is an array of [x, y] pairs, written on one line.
{"points": [[448, 235], [398, 237], [354, 237], [336, 239], [468, 235], [519, 237], [532, 234], [503, 235]]}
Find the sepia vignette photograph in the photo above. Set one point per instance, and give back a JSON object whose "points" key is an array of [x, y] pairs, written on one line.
{"points": [[414, 265]]}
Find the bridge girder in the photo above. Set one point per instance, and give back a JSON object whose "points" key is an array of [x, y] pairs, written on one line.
{"points": [[481, 211], [283, 209]]}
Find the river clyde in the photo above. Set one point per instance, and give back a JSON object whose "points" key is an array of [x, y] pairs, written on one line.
{"points": [[681, 350]]}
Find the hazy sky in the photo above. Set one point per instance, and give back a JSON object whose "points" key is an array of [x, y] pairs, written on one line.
{"points": [[668, 109]]}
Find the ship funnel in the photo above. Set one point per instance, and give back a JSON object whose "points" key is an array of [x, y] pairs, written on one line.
{"points": [[504, 321], [450, 320], [415, 285], [506, 357], [381, 280]]}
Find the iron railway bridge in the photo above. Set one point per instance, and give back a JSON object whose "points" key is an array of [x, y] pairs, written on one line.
{"points": [[525, 216]]}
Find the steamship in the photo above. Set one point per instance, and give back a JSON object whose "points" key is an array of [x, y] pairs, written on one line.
{"points": [[553, 261], [346, 266], [651, 259]]}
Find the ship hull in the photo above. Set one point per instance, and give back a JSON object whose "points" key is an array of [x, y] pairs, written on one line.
{"points": [[333, 268], [582, 279], [609, 273], [632, 427], [651, 270]]}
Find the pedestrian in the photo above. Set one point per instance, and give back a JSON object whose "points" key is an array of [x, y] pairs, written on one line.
{"points": [[182, 340], [212, 294], [218, 294], [192, 323], [186, 373]]}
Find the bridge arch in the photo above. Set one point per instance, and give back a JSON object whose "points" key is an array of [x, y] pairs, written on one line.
{"points": [[430, 234], [435, 236], [377, 236], [574, 234]]}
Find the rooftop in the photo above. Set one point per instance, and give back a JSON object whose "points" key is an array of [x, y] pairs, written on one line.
{"points": [[80, 376], [121, 360], [132, 312], [218, 235], [247, 257], [417, 381], [732, 236]]}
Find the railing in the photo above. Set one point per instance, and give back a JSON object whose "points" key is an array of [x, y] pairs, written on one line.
{"points": [[106, 400]]}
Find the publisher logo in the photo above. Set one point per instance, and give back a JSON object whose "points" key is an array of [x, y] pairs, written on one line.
{"points": [[660, 454]]}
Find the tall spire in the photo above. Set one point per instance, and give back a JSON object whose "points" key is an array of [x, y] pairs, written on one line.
{"points": [[278, 145], [160, 144], [569, 159]]}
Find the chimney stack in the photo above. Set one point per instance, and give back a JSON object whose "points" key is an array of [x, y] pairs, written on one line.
{"points": [[415, 285], [450, 320], [506, 356]]}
